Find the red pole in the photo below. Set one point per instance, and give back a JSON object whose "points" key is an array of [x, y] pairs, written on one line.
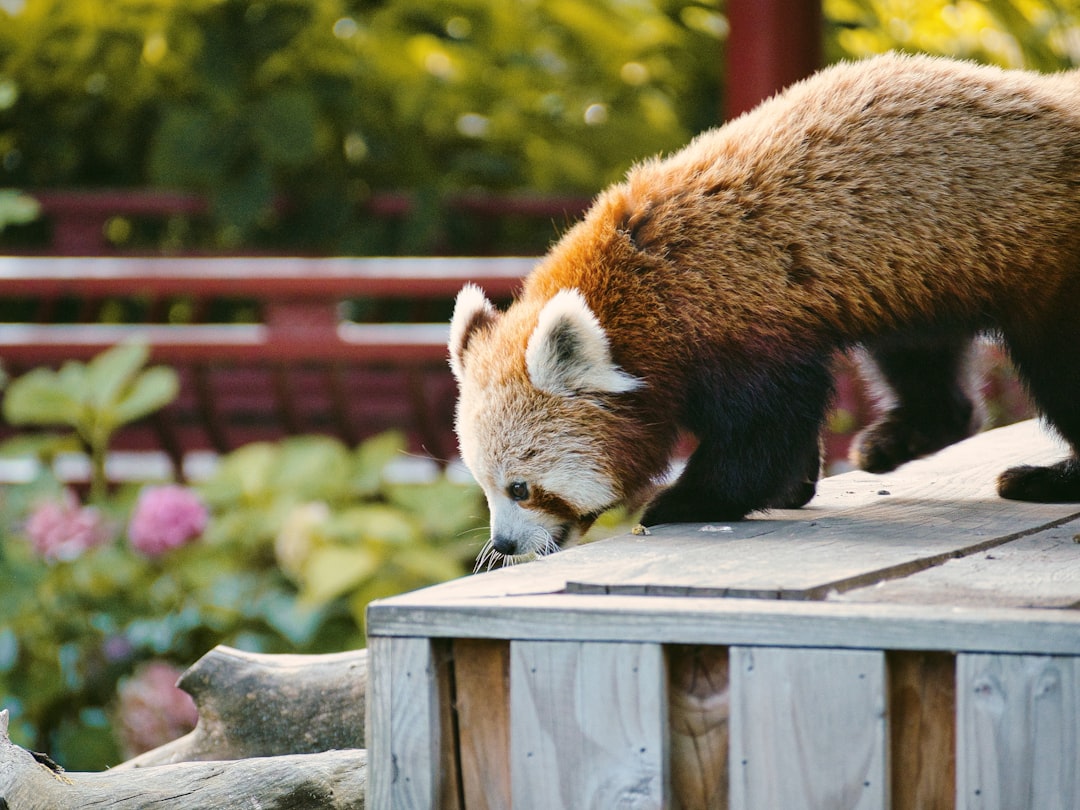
{"points": [[771, 44]]}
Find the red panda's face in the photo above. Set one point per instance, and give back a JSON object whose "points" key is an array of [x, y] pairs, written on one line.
{"points": [[531, 418]]}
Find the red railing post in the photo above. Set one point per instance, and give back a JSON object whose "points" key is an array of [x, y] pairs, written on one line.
{"points": [[771, 44]]}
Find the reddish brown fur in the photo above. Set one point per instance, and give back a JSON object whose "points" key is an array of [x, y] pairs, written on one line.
{"points": [[890, 197]]}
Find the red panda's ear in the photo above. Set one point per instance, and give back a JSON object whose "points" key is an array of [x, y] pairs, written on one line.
{"points": [[568, 351], [472, 311]]}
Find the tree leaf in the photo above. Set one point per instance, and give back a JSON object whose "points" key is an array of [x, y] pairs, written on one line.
{"points": [[370, 460], [111, 371], [41, 397], [153, 389], [332, 571]]}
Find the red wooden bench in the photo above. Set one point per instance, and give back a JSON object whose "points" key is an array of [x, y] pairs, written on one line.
{"points": [[298, 367]]}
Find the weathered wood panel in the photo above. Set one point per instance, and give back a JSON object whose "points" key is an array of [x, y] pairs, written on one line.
{"points": [[678, 620], [699, 702], [588, 726], [482, 683], [1018, 729], [403, 724], [922, 730], [808, 729], [1039, 570]]}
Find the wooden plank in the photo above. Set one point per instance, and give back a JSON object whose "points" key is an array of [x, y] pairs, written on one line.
{"points": [[1018, 732], [589, 726], [1039, 570], [699, 709], [482, 697], [403, 729], [850, 535], [922, 729], [377, 732], [678, 620], [808, 729]]}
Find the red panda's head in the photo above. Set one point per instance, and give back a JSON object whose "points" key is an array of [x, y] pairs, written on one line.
{"points": [[538, 396]]}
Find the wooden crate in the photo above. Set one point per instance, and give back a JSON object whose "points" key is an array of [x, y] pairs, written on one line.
{"points": [[905, 641]]}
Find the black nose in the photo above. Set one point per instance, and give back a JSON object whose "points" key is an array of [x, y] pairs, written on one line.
{"points": [[504, 545]]}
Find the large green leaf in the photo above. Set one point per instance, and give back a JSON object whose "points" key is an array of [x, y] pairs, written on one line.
{"points": [[112, 370], [370, 460], [153, 389], [333, 571], [41, 397]]}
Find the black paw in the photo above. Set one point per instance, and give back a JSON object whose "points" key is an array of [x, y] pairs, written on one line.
{"points": [[1059, 483], [897, 439], [674, 506], [797, 497]]}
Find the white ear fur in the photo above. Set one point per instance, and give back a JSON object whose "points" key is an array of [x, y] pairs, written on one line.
{"points": [[472, 310], [568, 350]]}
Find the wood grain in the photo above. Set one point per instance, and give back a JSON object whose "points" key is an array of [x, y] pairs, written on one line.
{"points": [[922, 730], [1018, 731], [1041, 570], [588, 726], [808, 729], [482, 686], [403, 724], [678, 620], [699, 702]]}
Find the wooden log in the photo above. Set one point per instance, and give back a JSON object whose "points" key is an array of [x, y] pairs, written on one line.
{"points": [[333, 780], [255, 705]]}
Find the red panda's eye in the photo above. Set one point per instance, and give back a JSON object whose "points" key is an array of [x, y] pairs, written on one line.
{"points": [[518, 491]]}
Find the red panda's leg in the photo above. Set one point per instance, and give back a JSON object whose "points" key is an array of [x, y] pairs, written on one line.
{"points": [[923, 382], [1051, 369], [758, 446]]}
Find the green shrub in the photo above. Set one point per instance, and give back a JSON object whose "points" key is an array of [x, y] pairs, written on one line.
{"points": [[300, 536]]}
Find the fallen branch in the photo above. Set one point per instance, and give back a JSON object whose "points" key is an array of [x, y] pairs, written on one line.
{"points": [[333, 780], [256, 705]]}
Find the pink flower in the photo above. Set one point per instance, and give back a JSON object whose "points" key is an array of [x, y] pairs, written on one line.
{"points": [[165, 518], [64, 530], [151, 711]]}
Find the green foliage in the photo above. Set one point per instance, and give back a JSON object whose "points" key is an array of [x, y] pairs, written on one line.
{"points": [[301, 535], [94, 399], [1035, 34], [16, 208], [337, 526], [325, 101]]}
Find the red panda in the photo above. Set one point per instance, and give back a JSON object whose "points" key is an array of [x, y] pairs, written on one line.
{"points": [[900, 204]]}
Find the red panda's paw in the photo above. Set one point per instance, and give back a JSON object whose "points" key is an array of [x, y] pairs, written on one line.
{"points": [[1058, 483], [797, 497], [680, 506], [898, 438]]}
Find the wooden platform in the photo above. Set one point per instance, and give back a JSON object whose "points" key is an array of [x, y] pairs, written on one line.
{"points": [[905, 641]]}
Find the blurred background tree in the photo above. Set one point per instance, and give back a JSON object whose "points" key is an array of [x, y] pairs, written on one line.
{"points": [[290, 114], [322, 102]]}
